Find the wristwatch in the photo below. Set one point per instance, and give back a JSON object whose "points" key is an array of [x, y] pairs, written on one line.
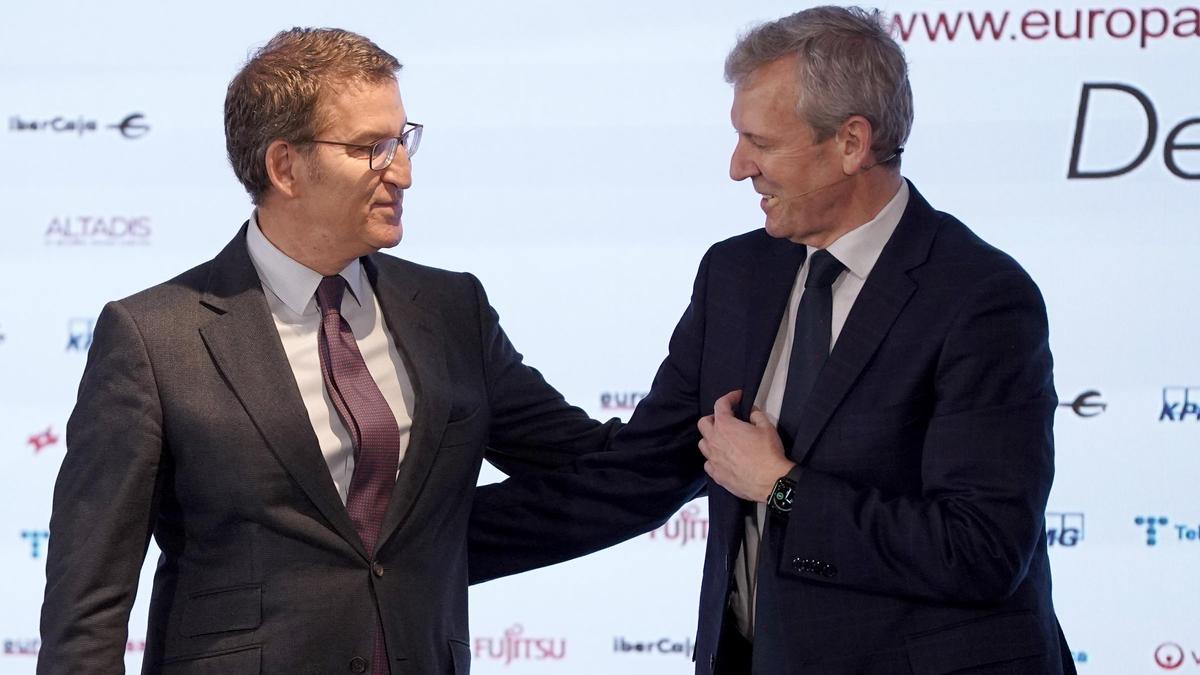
{"points": [[780, 500]]}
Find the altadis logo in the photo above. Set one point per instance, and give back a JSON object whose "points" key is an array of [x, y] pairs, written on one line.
{"points": [[42, 440], [1172, 656], [1178, 403], [101, 230]]}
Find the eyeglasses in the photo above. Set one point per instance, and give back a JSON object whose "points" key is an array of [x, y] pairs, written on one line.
{"points": [[383, 151]]}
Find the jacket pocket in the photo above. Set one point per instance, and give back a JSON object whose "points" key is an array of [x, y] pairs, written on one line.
{"points": [[993, 639], [460, 655], [222, 609], [242, 661]]}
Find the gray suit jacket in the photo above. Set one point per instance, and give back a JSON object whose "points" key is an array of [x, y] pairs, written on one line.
{"points": [[189, 427]]}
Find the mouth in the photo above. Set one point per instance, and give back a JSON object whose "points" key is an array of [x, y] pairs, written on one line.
{"points": [[768, 200]]}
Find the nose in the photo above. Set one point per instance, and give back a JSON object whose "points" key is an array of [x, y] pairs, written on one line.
{"points": [[741, 164], [399, 172]]}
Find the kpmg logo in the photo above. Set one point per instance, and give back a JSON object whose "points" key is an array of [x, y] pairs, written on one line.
{"points": [[515, 646], [79, 334], [98, 230], [1173, 145], [42, 440], [1087, 404], [1180, 404], [1172, 656], [131, 126], [688, 526], [36, 539], [620, 400], [1064, 529], [670, 646]]}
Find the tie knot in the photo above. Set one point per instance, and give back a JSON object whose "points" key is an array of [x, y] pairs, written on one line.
{"points": [[823, 270], [329, 294]]}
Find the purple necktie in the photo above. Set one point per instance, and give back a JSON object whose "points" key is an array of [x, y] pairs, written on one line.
{"points": [[371, 424]]}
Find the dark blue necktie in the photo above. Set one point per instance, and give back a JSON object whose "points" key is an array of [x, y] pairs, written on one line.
{"points": [[810, 344]]}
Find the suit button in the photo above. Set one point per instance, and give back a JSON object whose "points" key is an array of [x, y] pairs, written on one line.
{"points": [[377, 569], [829, 571], [358, 665]]}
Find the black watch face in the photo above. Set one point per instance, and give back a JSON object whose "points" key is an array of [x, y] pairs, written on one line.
{"points": [[781, 498]]}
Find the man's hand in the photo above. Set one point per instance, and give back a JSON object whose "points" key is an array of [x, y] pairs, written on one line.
{"points": [[745, 459]]}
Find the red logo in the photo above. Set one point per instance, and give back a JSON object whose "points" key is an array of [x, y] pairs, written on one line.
{"points": [[1170, 656], [42, 440], [514, 646], [689, 525]]}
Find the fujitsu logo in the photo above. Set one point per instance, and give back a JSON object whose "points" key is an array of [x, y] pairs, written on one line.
{"points": [[515, 646], [689, 525]]}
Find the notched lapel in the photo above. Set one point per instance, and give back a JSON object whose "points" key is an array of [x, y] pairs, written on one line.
{"points": [[885, 293], [245, 346], [419, 341]]}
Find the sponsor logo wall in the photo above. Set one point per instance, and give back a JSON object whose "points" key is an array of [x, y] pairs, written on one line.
{"points": [[576, 161]]}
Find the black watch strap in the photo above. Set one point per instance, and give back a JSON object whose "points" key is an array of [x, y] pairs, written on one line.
{"points": [[780, 501]]}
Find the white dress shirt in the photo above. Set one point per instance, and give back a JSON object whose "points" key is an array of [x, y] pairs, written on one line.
{"points": [[290, 289], [858, 250]]}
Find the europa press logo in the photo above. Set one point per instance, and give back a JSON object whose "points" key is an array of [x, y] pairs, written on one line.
{"points": [[620, 400], [1180, 404], [1172, 656]]}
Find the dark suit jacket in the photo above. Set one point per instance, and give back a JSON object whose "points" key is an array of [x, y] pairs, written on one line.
{"points": [[189, 427], [916, 543]]}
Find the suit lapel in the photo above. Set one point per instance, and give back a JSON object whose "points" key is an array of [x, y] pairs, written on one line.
{"points": [[884, 295], [245, 346], [419, 343], [774, 274]]}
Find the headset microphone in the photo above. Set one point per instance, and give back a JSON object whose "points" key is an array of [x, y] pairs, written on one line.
{"points": [[841, 180]]}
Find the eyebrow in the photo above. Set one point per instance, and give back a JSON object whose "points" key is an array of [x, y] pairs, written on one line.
{"points": [[371, 135]]}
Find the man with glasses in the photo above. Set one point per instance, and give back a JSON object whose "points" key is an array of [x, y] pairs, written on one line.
{"points": [[300, 421]]}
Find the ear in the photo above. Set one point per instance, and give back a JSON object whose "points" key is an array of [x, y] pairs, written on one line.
{"points": [[854, 140], [283, 167]]}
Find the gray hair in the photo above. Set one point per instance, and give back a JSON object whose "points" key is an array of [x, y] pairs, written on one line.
{"points": [[849, 64]]}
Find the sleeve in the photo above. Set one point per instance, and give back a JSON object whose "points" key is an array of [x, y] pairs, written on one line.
{"points": [[628, 485], [105, 501], [969, 531]]}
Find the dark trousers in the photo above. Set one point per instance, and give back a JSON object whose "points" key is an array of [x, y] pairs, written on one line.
{"points": [[733, 649]]}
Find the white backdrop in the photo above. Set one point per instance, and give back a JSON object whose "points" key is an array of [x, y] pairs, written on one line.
{"points": [[575, 159]]}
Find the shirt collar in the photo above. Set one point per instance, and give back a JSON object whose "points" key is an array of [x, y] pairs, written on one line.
{"points": [[859, 248], [293, 283]]}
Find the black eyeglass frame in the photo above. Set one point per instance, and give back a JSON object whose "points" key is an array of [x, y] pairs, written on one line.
{"points": [[409, 139]]}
